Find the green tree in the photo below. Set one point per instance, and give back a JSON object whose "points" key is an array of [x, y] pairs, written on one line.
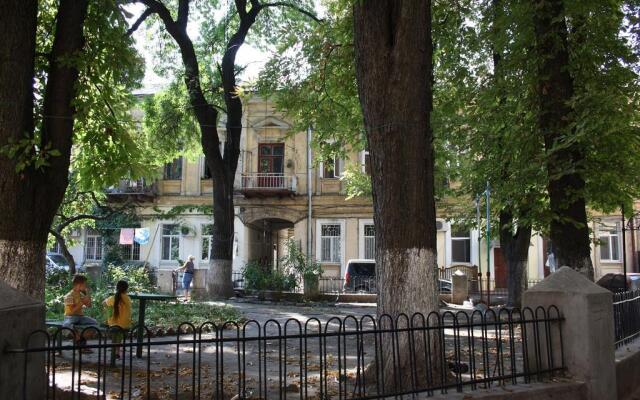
{"points": [[221, 154], [82, 63], [394, 71]]}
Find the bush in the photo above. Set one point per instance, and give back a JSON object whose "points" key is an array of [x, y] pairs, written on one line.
{"points": [[58, 284], [298, 263], [259, 277]]}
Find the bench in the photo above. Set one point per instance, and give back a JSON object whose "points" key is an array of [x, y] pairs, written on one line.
{"points": [[103, 329]]}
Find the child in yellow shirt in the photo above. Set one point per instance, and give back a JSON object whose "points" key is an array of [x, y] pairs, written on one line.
{"points": [[120, 319], [74, 303]]}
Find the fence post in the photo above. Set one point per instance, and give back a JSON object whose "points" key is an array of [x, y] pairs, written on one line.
{"points": [[20, 316], [588, 339]]}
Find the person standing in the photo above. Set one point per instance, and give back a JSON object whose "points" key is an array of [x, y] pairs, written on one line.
{"points": [[189, 269]]}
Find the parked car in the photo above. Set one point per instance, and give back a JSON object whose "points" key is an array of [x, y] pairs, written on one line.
{"points": [[360, 276], [58, 262], [615, 282]]}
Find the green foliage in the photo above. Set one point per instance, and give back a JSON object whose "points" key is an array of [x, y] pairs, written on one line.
{"points": [[159, 314], [312, 79], [296, 261], [58, 284], [169, 124], [357, 182], [259, 277]]}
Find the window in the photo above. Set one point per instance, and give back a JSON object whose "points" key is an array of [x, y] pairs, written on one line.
{"points": [[609, 237], [460, 245], [131, 252], [271, 158], [330, 243], [173, 170], [331, 168], [55, 248], [170, 242], [207, 233], [366, 162], [93, 246], [369, 237]]}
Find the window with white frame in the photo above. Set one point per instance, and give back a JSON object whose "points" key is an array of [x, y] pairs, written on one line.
{"points": [[460, 245], [207, 235], [331, 242], [93, 246], [609, 238], [366, 162], [368, 241], [331, 168], [131, 252], [170, 242]]}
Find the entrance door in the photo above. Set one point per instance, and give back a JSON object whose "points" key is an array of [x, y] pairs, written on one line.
{"points": [[499, 268], [271, 165]]}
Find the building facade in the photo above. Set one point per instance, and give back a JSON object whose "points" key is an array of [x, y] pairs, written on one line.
{"points": [[281, 192]]}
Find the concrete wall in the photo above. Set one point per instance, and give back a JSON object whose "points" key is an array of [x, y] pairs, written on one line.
{"points": [[20, 316], [628, 371]]}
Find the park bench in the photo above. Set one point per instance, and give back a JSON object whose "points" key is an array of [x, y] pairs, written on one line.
{"points": [[51, 323]]}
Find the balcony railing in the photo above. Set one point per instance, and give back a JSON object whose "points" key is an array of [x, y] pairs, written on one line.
{"points": [[132, 187], [268, 182]]}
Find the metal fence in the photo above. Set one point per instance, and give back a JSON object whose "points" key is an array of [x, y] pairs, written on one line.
{"points": [[626, 316], [365, 358]]}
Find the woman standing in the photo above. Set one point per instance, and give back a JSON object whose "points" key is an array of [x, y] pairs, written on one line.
{"points": [[188, 268]]}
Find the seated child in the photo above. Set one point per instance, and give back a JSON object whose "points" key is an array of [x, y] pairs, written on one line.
{"points": [[121, 312], [74, 302]]}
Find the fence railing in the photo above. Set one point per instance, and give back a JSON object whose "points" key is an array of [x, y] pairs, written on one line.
{"points": [[626, 316], [365, 358], [267, 181]]}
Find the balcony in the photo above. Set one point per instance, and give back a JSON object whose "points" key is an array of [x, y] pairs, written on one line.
{"points": [[268, 184], [139, 189]]}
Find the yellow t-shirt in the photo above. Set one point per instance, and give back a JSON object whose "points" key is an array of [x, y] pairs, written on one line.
{"points": [[71, 300], [124, 312]]}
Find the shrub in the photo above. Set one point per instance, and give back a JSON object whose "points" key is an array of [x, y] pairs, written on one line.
{"points": [[259, 277]]}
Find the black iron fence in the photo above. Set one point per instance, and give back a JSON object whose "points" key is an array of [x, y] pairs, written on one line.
{"points": [[626, 316], [365, 358]]}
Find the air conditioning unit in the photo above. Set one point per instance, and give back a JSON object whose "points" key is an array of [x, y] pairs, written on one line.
{"points": [[441, 226]]}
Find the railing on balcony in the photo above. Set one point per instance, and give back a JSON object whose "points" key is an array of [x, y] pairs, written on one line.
{"points": [[132, 187], [268, 182]]}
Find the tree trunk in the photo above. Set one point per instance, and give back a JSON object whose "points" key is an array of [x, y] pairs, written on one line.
{"points": [[394, 73], [219, 279], [515, 247], [30, 197], [569, 231], [65, 252]]}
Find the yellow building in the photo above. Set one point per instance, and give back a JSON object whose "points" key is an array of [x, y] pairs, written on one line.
{"points": [[281, 193]]}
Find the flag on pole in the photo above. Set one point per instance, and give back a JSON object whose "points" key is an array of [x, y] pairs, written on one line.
{"points": [[141, 235], [126, 235]]}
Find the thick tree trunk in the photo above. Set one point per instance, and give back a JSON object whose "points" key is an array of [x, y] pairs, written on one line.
{"points": [[219, 280], [394, 73], [569, 231], [30, 197], [515, 247]]}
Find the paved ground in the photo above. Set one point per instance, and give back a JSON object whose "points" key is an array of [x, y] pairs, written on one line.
{"points": [[256, 360]]}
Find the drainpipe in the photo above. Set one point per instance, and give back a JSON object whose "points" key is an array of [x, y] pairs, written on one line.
{"points": [[309, 193]]}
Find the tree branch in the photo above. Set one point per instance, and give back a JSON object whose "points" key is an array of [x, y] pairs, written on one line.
{"points": [[139, 21], [293, 7]]}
